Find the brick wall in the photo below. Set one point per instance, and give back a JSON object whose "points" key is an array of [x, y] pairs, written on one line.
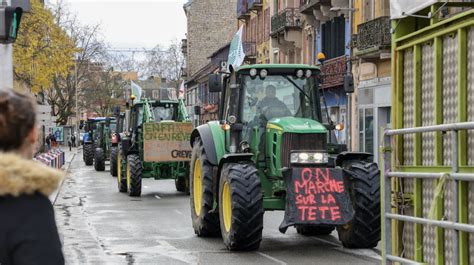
{"points": [[211, 24]]}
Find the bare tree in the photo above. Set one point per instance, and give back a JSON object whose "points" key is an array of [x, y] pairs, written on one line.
{"points": [[62, 94], [104, 92]]}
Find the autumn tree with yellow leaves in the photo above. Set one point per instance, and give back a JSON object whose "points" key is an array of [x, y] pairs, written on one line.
{"points": [[43, 50]]}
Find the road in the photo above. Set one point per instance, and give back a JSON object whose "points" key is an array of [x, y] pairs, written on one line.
{"points": [[99, 225]]}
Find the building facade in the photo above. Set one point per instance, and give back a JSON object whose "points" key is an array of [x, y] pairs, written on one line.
{"points": [[371, 102], [326, 29], [211, 24]]}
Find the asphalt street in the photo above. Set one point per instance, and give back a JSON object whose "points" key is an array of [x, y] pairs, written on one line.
{"points": [[99, 225]]}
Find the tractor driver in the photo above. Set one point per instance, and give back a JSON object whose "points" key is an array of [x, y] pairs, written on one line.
{"points": [[270, 106]]}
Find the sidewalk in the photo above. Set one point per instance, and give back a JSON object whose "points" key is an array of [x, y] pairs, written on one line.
{"points": [[68, 157]]}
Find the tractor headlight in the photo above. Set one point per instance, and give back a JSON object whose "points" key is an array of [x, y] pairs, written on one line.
{"points": [[253, 72], [263, 73], [309, 158], [308, 73], [299, 73]]}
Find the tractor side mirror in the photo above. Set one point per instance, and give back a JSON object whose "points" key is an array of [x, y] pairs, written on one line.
{"points": [[215, 83], [81, 125], [197, 110], [348, 83]]}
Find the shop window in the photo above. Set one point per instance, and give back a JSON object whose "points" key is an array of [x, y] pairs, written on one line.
{"points": [[366, 130]]}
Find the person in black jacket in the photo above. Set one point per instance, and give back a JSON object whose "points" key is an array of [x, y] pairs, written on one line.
{"points": [[28, 232]]}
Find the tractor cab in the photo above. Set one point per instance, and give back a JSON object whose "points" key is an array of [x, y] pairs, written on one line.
{"points": [[272, 149], [154, 144]]}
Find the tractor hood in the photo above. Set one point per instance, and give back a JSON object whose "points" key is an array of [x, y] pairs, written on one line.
{"points": [[296, 125]]}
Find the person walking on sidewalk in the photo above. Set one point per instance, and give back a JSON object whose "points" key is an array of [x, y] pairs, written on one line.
{"points": [[73, 139], [69, 142], [28, 231]]}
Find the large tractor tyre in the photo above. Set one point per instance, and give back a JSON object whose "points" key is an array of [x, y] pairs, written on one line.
{"points": [[89, 154], [99, 159], [364, 188], [121, 176], [134, 175], [314, 230], [205, 223], [240, 207], [182, 184], [113, 161]]}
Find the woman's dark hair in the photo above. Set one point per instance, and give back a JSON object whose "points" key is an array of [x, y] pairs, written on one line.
{"points": [[17, 119]]}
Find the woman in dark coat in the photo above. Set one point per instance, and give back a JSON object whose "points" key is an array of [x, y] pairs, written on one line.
{"points": [[28, 232]]}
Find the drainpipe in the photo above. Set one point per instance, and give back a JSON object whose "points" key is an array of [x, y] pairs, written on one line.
{"points": [[349, 98]]}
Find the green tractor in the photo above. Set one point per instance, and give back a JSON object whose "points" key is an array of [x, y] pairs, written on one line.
{"points": [[273, 149], [90, 138], [104, 142], [154, 144], [115, 140]]}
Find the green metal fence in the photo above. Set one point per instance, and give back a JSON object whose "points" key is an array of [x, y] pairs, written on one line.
{"points": [[428, 159]]}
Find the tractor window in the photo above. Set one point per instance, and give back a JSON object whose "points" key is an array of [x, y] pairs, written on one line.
{"points": [[165, 112], [277, 96], [139, 116], [113, 126]]}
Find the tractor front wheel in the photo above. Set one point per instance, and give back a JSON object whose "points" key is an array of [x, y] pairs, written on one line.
{"points": [[88, 154], [113, 161], [134, 175], [205, 223], [99, 159], [314, 230], [121, 176], [240, 207], [364, 188]]}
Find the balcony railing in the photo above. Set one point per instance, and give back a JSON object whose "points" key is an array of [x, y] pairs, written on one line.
{"points": [[286, 19], [333, 71], [250, 49], [242, 9], [255, 4], [307, 6], [374, 36]]}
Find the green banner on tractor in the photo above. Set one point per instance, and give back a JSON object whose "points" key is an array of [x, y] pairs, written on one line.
{"points": [[167, 141]]}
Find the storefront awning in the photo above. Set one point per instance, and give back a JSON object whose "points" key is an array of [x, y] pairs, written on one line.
{"points": [[403, 8]]}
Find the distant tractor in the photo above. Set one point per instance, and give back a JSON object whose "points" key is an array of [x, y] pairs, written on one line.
{"points": [[154, 144], [104, 142], [274, 149], [89, 139], [115, 140]]}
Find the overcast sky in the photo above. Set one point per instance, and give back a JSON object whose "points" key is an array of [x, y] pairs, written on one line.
{"points": [[133, 23]]}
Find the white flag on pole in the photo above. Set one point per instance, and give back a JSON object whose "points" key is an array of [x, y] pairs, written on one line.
{"points": [[236, 50], [181, 90], [136, 90]]}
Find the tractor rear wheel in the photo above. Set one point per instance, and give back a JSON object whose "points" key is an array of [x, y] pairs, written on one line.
{"points": [[88, 154], [134, 175], [99, 159], [113, 161], [205, 223], [121, 176], [364, 188], [240, 206], [314, 230]]}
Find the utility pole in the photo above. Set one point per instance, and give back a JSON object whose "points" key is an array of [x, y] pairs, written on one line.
{"points": [[6, 60]]}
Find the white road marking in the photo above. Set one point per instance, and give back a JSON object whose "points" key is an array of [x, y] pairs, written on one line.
{"points": [[157, 197], [271, 258], [358, 252], [178, 212]]}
